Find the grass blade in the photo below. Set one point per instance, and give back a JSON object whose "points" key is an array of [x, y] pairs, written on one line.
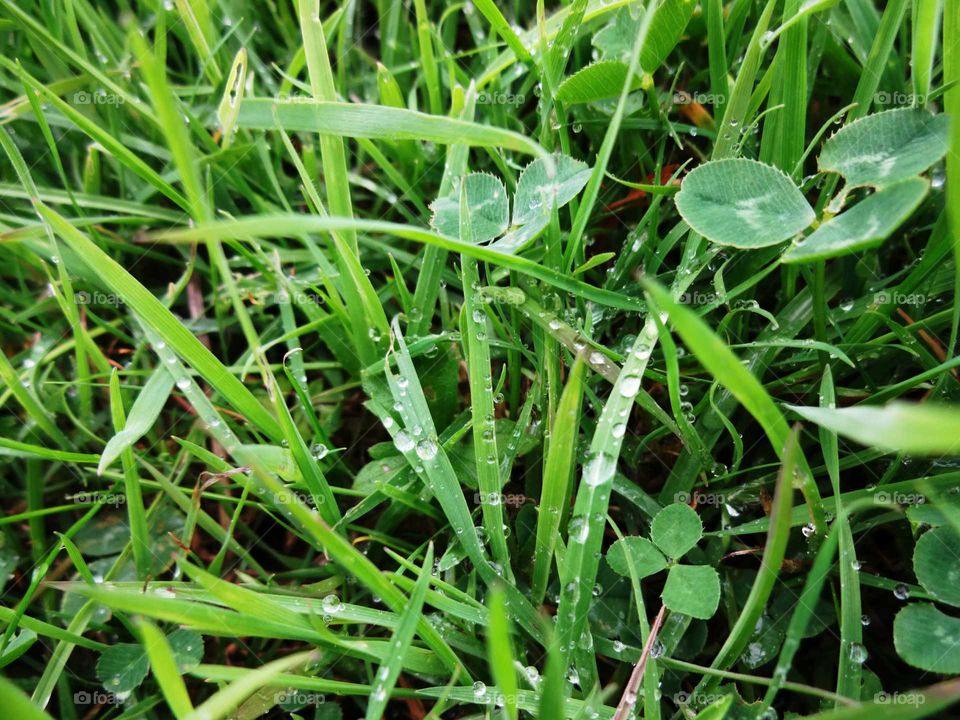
{"points": [[389, 672]]}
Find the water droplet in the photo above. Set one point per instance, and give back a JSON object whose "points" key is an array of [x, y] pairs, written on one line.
{"points": [[858, 653], [599, 469], [630, 386], [901, 592], [331, 604], [403, 441], [426, 449]]}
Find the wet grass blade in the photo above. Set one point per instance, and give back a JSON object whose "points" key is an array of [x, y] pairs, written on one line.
{"points": [[388, 673], [770, 562], [152, 312], [163, 665], [480, 376], [142, 416], [222, 703], [280, 225], [500, 653], [379, 122], [558, 470]]}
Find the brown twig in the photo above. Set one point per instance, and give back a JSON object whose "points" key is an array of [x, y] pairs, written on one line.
{"points": [[629, 697]]}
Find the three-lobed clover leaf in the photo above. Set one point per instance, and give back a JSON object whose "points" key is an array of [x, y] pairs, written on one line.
{"points": [[692, 590], [747, 204], [926, 638], [489, 207], [537, 190], [924, 635], [638, 554], [598, 81], [488, 204], [865, 225], [676, 529], [936, 563], [122, 667], [743, 203], [887, 147]]}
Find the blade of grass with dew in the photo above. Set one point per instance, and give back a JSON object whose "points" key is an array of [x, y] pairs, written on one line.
{"points": [[142, 416], [737, 105], [379, 122], [479, 375], [558, 471], [720, 361], [222, 703], [423, 451], [315, 530], [585, 529], [309, 465], [152, 312], [139, 531], [163, 665], [571, 255], [500, 653], [573, 339], [389, 671], [283, 224], [849, 669], [770, 562], [434, 258]]}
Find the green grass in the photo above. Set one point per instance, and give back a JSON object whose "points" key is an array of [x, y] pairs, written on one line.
{"points": [[341, 342]]}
